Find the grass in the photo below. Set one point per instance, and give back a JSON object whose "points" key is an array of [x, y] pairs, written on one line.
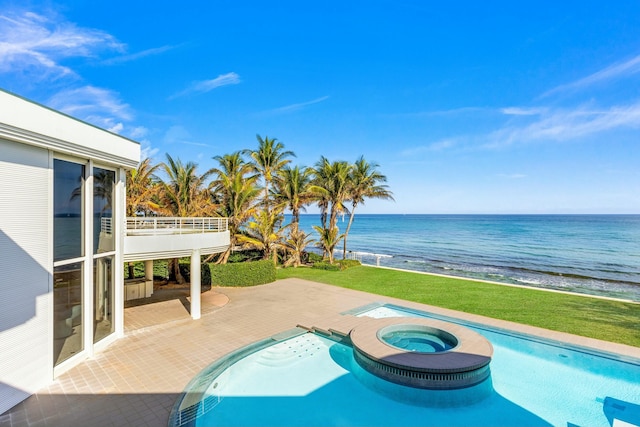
{"points": [[614, 321]]}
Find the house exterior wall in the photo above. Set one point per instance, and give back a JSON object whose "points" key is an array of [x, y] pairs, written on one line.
{"points": [[25, 272], [31, 137]]}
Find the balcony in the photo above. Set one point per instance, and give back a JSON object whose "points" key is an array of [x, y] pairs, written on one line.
{"points": [[149, 238]]}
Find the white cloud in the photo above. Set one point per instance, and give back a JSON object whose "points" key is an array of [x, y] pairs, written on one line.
{"points": [[37, 43], [146, 150], [92, 103], [441, 145], [522, 111], [117, 128], [138, 132], [180, 135], [138, 55], [205, 86], [612, 72], [293, 107], [563, 125]]}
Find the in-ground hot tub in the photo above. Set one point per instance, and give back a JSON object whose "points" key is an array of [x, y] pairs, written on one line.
{"points": [[420, 338], [422, 353]]}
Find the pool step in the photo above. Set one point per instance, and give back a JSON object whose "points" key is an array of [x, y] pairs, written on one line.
{"points": [[290, 352], [338, 326]]}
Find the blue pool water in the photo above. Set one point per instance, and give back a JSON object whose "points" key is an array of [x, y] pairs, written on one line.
{"points": [[311, 380], [418, 341]]}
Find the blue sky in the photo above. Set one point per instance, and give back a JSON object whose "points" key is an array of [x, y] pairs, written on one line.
{"points": [[468, 107]]}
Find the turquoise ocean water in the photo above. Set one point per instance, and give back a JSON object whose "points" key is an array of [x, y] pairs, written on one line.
{"points": [[591, 254]]}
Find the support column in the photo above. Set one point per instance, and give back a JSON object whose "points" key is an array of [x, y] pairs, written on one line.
{"points": [[148, 270], [195, 284], [148, 278]]}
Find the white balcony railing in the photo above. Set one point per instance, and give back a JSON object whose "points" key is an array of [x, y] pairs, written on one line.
{"points": [[138, 226], [105, 225]]}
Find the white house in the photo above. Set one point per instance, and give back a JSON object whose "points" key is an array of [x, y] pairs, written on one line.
{"points": [[63, 242]]}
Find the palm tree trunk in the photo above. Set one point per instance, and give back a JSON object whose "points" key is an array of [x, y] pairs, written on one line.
{"points": [[224, 257], [131, 270], [295, 217], [174, 271], [346, 233]]}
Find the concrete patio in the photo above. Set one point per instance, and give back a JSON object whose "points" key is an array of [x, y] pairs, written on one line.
{"points": [[136, 381]]}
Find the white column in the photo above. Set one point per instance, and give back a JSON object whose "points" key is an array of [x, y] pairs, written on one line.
{"points": [[195, 284], [148, 270], [119, 230], [87, 282], [148, 278]]}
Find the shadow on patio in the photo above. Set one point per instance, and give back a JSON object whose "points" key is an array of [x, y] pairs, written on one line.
{"points": [[168, 305]]}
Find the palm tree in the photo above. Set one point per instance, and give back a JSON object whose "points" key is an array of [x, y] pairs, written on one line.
{"points": [[329, 240], [264, 233], [268, 160], [295, 245], [183, 194], [321, 174], [292, 190], [331, 188], [236, 192], [142, 188], [364, 182]]}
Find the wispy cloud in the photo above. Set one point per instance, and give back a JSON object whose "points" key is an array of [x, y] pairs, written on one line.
{"points": [[98, 106], [37, 43], [441, 145], [293, 107], [178, 134], [205, 86], [614, 71], [444, 113], [135, 56], [523, 111], [146, 150], [563, 125]]}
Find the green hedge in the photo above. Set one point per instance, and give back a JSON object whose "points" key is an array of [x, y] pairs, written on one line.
{"points": [[338, 265], [324, 265], [239, 274]]}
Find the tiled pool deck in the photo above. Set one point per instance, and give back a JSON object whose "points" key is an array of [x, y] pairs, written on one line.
{"points": [[136, 380]]}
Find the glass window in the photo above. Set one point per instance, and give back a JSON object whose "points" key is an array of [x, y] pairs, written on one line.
{"points": [[67, 300], [103, 294], [68, 189], [103, 195]]}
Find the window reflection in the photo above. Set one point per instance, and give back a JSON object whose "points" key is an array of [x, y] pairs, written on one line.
{"points": [[103, 296], [67, 300], [103, 224], [67, 210]]}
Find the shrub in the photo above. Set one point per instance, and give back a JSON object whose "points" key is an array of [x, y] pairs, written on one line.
{"points": [[348, 263], [313, 257], [339, 265], [246, 255], [323, 265], [239, 274]]}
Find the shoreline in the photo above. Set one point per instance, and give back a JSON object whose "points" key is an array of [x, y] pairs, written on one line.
{"points": [[513, 285]]}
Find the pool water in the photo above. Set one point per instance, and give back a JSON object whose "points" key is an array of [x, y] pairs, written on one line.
{"points": [[312, 381], [418, 340]]}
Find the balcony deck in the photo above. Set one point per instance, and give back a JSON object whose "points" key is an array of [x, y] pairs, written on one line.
{"points": [[148, 238]]}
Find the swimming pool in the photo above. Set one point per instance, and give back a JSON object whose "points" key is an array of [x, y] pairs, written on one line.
{"points": [[300, 378]]}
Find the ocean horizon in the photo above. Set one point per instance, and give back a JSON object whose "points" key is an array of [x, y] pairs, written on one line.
{"points": [[594, 254]]}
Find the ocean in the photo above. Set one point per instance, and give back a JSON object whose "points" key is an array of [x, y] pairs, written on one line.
{"points": [[589, 254]]}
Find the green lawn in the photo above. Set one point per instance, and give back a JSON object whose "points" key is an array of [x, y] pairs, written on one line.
{"points": [[590, 317]]}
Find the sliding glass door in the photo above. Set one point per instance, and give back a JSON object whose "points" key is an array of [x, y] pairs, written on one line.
{"points": [[68, 257]]}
